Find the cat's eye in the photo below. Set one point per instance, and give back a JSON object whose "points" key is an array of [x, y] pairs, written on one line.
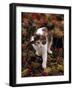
{"points": [[38, 42]]}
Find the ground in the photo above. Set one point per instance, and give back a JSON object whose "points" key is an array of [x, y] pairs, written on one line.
{"points": [[32, 64]]}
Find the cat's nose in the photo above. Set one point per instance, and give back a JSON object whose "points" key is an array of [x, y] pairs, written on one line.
{"points": [[43, 42]]}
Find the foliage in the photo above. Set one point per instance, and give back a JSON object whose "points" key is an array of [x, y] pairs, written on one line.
{"points": [[32, 64]]}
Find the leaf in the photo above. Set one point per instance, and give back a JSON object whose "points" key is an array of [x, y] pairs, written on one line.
{"points": [[25, 72], [35, 64], [60, 68], [48, 70]]}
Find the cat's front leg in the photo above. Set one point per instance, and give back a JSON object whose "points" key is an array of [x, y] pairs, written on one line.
{"points": [[44, 57]]}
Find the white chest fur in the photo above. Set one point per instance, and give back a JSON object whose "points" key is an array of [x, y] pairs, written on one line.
{"points": [[40, 49]]}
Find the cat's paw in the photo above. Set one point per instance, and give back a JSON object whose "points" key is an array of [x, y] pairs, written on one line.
{"points": [[44, 65], [49, 51]]}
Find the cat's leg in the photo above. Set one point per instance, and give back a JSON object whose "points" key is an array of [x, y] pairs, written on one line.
{"points": [[49, 50], [34, 46], [36, 49], [44, 57], [49, 46]]}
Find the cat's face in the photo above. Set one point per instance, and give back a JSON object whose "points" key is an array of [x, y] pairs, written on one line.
{"points": [[39, 40], [40, 37]]}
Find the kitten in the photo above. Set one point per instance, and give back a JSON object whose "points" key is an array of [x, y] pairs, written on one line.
{"points": [[42, 44]]}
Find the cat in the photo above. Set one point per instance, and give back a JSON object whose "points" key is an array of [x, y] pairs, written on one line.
{"points": [[42, 39]]}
